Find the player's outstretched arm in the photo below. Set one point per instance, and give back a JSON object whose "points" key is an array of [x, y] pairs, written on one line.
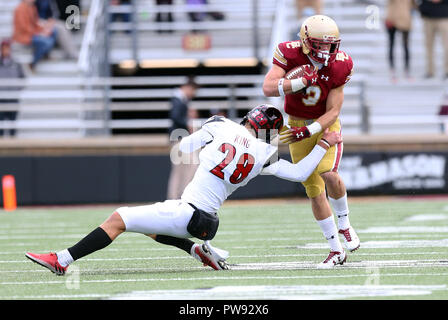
{"points": [[334, 104], [302, 170]]}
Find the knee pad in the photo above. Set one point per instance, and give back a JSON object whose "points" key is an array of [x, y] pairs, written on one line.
{"points": [[314, 185], [203, 225]]}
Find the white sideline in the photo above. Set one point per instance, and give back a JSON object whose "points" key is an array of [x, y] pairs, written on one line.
{"points": [[225, 278]]}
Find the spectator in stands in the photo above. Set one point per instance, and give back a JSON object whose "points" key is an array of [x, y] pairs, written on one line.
{"points": [[301, 5], [122, 16], [181, 116], [399, 18], [164, 16], [435, 20], [49, 14], [28, 31], [201, 15], [8, 70]]}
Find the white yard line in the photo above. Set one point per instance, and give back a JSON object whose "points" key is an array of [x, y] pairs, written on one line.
{"points": [[222, 278], [70, 237], [388, 244], [232, 256], [287, 265], [299, 292], [404, 229], [234, 248], [427, 217]]}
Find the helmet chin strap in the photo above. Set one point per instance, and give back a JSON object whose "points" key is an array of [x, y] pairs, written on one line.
{"points": [[326, 59], [315, 63]]}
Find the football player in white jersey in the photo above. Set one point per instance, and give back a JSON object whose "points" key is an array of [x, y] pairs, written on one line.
{"points": [[232, 155]]}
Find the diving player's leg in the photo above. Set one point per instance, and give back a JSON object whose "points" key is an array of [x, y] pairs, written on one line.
{"points": [[170, 217], [204, 253], [96, 240]]}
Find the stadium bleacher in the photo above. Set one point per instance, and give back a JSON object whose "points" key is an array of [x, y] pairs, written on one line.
{"points": [[76, 99]]}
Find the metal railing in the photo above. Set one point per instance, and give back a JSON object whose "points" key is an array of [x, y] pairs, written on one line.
{"points": [[91, 57], [247, 21], [55, 101]]}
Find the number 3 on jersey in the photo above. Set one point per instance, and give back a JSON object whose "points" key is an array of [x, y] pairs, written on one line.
{"points": [[312, 96], [243, 167]]}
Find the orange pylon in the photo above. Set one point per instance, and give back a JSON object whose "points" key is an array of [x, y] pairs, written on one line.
{"points": [[9, 193]]}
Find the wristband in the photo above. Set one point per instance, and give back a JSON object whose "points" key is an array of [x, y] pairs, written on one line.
{"points": [[314, 128], [280, 87], [325, 142], [297, 84]]}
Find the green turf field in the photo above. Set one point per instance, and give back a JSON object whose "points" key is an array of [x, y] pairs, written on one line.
{"points": [[274, 247]]}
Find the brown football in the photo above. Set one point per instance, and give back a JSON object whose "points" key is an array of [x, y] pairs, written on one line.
{"points": [[295, 73]]}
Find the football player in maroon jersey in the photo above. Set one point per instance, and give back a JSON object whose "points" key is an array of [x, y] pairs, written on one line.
{"points": [[313, 102]]}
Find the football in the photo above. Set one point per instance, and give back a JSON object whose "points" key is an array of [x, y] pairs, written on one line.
{"points": [[295, 73]]}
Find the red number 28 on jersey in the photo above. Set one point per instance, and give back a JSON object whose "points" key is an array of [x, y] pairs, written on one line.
{"points": [[243, 167]]}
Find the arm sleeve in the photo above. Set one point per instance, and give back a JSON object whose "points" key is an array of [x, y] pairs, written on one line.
{"points": [[195, 141], [301, 170]]}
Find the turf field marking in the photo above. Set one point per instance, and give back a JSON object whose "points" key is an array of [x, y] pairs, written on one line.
{"points": [[146, 240], [387, 244], [33, 226], [21, 252], [282, 266], [351, 265], [427, 217], [41, 237], [189, 257], [416, 229], [223, 278], [301, 292], [56, 297]]}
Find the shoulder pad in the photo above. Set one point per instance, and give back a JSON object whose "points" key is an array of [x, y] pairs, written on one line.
{"points": [[212, 124], [214, 119]]}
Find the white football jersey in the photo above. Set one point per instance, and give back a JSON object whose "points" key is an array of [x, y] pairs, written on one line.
{"points": [[231, 157]]}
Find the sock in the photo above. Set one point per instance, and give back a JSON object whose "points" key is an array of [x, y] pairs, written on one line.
{"points": [[183, 244], [330, 232], [95, 240], [340, 207], [64, 257]]}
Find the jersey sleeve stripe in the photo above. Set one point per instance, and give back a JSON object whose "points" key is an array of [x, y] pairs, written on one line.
{"points": [[280, 59]]}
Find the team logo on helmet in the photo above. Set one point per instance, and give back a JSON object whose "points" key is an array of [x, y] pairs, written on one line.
{"points": [[263, 119], [320, 37]]}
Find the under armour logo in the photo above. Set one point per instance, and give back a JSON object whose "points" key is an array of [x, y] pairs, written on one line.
{"points": [[299, 135], [325, 77]]}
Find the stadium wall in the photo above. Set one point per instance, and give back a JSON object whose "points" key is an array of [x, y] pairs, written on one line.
{"points": [[136, 171]]}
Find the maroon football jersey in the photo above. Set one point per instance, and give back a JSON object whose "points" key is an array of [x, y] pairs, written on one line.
{"points": [[310, 103]]}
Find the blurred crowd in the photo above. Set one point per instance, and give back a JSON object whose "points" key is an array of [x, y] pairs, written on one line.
{"points": [[434, 14], [41, 25]]}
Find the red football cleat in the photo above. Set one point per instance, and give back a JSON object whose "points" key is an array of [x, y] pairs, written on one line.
{"points": [[49, 261], [208, 258]]}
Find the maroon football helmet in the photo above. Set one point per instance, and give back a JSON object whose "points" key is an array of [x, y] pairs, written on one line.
{"points": [[320, 36]]}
